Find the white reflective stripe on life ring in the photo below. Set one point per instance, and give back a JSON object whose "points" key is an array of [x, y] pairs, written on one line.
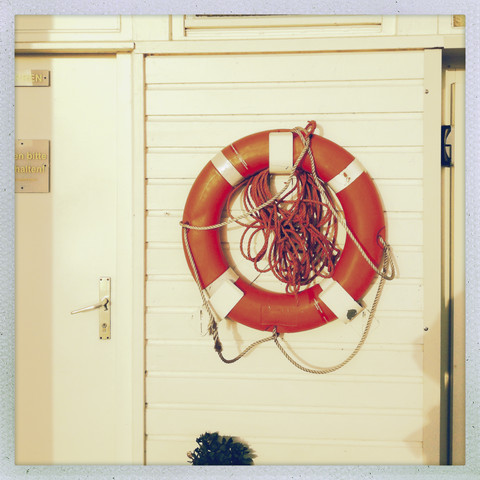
{"points": [[280, 152], [223, 293], [228, 275], [338, 300], [226, 169], [347, 176]]}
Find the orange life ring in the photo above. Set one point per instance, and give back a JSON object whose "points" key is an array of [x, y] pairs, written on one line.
{"points": [[362, 206]]}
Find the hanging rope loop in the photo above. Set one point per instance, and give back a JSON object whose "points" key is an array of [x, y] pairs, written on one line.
{"points": [[310, 127], [333, 368]]}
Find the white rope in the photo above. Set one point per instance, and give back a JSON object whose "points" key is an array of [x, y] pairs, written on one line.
{"points": [[333, 368], [212, 325]]}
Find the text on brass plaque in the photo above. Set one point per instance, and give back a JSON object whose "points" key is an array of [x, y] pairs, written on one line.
{"points": [[32, 166], [32, 78]]}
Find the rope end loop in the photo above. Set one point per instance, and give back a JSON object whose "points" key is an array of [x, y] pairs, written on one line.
{"points": [[388, 271], [311, 126]]}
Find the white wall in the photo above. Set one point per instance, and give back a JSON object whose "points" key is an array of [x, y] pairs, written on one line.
{"points": [[371, 411]]}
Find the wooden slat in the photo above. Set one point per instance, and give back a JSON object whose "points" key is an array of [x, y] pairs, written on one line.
{"points": [[315, 67], [191, 390], [366, 426], [405, 228], [198, 358], [282, 32], [168, 450], [281, 99], [171, 449], [351, 454], [398, 162], [163, 226], [171, 261], [261, 22], [397, 195], [387, 328], [268, 281], [361, 130], [399, 295]]}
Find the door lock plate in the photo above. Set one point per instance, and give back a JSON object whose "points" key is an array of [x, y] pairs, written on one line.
{"points": [[104, 312]]}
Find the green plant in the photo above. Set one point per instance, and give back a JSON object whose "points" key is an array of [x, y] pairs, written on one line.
{"points": [[215, 449]]}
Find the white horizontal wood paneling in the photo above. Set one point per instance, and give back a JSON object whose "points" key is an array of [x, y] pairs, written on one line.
{"points": [[170, 260], [171, 195], [267, 21], [305, 97], [370, 411], [162, 291], [187, 323], [275, 451], [290, 45], [314, 423], [164, 226], [52, 24], [182, 389], [279, 26], [282, 32], [387, 162], [335, 66], [394, 360], [79, 33], [348, 130]]}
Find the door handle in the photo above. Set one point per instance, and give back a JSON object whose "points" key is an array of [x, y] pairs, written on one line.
{"points": [[103, 305]]}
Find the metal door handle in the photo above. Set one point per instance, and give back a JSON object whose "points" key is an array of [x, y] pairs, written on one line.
{"points": [[104, 313], [102, 303]]}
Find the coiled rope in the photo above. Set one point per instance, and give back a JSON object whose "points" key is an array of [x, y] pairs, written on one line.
{"points": [[387, 272], [296, 237]]}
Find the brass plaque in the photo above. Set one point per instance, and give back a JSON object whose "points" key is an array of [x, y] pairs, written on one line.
{"points": [[459, 20], [32, 78], [32, 166]]}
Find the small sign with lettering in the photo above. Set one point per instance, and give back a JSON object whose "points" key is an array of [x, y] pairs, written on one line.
{"points": [[32, 166], [32, 78]]}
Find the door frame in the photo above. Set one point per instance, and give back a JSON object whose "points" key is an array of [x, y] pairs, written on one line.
{"points": [[130, 236], [136, 84], [453, 229], [433, 437]]}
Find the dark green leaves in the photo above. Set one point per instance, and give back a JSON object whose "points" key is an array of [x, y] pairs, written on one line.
{"points": [[215, 449]]}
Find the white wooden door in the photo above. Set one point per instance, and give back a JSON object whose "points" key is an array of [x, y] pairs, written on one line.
{"points": [[383, 407], [74, 396]]}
